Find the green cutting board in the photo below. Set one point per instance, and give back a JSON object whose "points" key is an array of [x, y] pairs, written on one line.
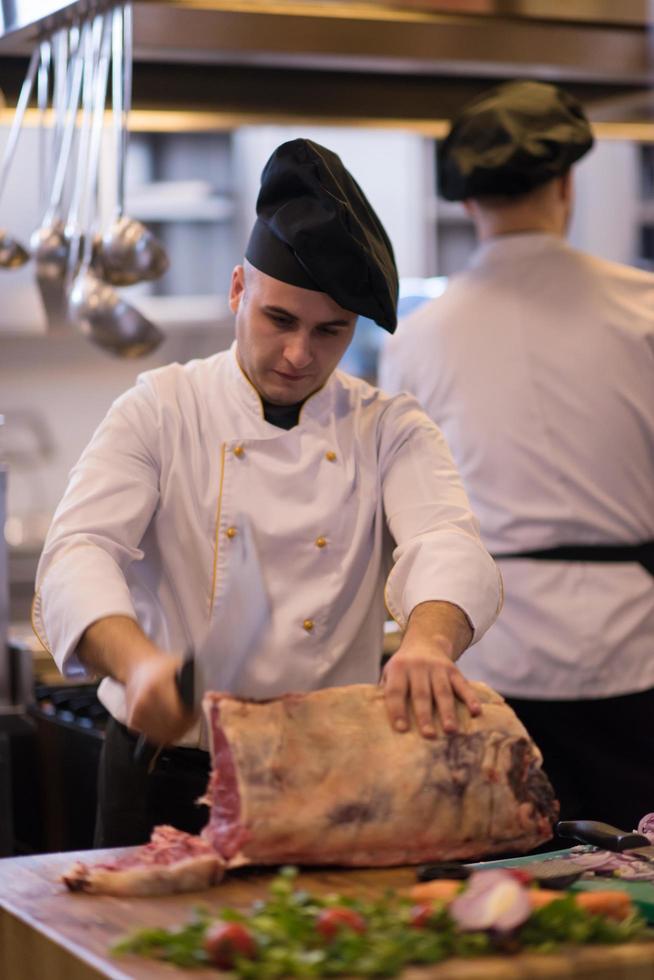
{"points": [[641, 892]]}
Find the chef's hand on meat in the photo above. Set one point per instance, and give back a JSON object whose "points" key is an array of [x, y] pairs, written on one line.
{"points": [[117, 647], [421, 676]]}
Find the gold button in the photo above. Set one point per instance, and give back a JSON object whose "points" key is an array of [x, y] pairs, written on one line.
{"points": [[231, 532], [239, 451], [330, 455], [321, 542], [308, 625]]}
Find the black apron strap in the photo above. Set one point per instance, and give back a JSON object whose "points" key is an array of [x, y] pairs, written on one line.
{"points": [[641, 553]]}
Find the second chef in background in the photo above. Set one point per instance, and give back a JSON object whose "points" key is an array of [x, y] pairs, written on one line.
{"points": [[246, 507], [538, 364]]}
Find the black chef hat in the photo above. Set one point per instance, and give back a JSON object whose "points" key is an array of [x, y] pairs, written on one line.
{"points": [[510, 139], [316, 229]]}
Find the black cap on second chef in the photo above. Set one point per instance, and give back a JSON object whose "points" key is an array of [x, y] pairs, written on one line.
{"points": [[510, 139], [316, 229]]}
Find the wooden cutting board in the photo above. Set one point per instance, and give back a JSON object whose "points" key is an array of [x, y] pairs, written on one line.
{"points": [[47, 933]]}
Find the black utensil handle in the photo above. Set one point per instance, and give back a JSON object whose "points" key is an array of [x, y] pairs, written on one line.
{"points": [[600, 834], [145, 752], [185, 682]]}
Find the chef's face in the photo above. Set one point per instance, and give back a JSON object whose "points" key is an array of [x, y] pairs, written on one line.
{"points": [[288, 339]]}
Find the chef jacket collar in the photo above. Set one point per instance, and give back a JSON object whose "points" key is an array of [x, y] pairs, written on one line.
{"points": [[314, 406], [514, 247]]}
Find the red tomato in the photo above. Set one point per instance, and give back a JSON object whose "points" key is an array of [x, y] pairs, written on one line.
{"points": [[225, 941], [521, 875], [419, 915], [331, 920]]}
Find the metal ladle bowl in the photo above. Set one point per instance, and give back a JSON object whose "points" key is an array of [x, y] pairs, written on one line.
{"points": [[50, 248], [12, 253], [104, 316], [130, 253]]}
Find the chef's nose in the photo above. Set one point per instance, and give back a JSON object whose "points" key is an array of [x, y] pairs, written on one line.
{"points": [[298, 350]]}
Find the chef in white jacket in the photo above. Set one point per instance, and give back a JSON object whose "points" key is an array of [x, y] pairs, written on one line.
{"points": [[538, 364], [261, 509]]}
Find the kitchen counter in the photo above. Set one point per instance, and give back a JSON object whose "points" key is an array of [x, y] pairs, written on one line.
{"points": [[47, 933]]}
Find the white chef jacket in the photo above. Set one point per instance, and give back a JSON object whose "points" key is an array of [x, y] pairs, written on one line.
{"points": [[264, 550], [538, 364]]}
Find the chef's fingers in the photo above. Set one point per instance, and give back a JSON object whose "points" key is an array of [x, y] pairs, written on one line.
{"points": [[441, 684], [466, 693], [422, 701], [396, 689]]}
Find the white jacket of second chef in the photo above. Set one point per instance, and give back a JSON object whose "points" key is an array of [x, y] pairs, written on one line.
{"points": [[266, 551], [537, 361]]}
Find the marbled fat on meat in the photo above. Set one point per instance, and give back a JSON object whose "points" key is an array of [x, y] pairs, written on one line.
{"points": [[322, 778]]}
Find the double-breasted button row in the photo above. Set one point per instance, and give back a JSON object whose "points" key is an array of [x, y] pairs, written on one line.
{"points": [[320, 542], [239, 452]]}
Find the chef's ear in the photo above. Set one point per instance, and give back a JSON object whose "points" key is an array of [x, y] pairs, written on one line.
{"points": [[236, 288]]}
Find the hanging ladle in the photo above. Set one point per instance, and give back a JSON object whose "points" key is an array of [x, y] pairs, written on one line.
{"points": [[101, 313], [12, 253], [49, 244], [128, 252]]}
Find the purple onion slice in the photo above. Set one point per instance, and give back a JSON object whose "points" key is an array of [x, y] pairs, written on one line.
{"points": [[646, 826], [493, 899]]}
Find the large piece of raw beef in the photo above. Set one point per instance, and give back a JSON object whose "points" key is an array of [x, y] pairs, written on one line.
{"points": [[322, 778]]}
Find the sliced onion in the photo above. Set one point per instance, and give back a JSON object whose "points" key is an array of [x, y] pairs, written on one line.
{"points": [[633, 869], [592, 860], [492, 899], [646, 826]]}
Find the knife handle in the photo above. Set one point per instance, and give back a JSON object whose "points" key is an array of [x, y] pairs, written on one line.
{"points": [[600, 834], [145, 753], [185, 682]]}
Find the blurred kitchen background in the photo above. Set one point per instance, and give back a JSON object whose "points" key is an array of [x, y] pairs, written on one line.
{"points": [[216, 88]]}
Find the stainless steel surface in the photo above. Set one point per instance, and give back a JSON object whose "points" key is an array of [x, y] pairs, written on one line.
{"points": [[18, 14], [595, 39]]}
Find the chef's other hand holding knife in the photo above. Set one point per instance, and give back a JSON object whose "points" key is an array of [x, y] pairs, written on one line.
{"points": [[422, 675], [159, 698], [117, 647]]}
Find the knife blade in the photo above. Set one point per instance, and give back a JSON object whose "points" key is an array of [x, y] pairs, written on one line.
{"points": [[551, 873], [190, 688], [608, 838]]}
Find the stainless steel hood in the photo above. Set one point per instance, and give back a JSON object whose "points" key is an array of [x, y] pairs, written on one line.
{"points": [[410, 59]]}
